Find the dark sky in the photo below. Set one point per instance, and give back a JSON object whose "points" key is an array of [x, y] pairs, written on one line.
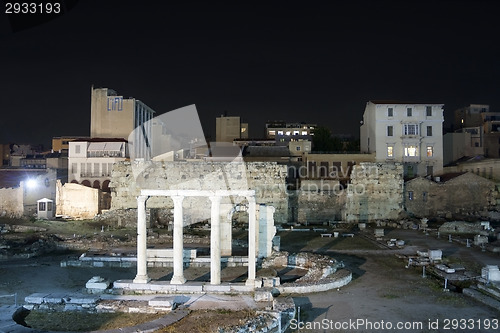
{"points": [[296, 61]]}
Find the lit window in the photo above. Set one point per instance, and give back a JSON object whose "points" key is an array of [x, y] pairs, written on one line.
{"points": [[295, 132], [272, 132], [304, 132], [411, 151], [410, 129], [390, 151], [288, 132], [409, 111], [430, 151], [280, 132], [390, 112]]}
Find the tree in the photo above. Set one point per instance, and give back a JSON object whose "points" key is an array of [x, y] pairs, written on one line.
{"points": [[323, 140]]}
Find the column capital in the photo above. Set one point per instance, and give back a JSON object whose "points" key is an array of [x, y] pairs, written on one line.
{"points": [[215, 198], [177, 199], [251, 199]]}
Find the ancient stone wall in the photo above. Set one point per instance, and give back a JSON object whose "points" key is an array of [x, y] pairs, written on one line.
{"points": [[320, 206], [467, 194], [77, 201], [267, 179], [11, 202], [375, 192]]}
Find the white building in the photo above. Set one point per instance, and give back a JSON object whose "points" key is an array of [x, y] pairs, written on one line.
{"points": [[280, 128], [404, 132], [91, 160]]}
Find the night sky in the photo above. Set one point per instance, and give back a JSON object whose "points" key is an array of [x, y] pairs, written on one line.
{"points": [[295, 61]]}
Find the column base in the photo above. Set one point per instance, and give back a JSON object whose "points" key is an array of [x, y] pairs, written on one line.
{"points": [[250, 283], [215, 282], [142, 279], [178, 280]]}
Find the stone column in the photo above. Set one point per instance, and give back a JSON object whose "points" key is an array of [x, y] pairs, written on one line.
{"points": [[178, 277], [251, 241], [142, 264], [215, 241]]}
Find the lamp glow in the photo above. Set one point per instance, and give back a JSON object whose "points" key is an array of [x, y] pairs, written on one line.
{"points": [[31, 183]]}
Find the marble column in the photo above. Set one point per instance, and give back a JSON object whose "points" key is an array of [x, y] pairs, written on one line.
{"points": [[251, 241], [178, 276], [142, 264], [215, 267]]}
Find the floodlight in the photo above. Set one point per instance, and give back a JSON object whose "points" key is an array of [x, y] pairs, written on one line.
{"points": [[31, 183]]}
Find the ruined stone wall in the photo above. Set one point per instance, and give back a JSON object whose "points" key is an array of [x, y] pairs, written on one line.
{"points": [[77, 201], [11, 202], [467, 194], [320, 206], [267, 179], [375, 192]]}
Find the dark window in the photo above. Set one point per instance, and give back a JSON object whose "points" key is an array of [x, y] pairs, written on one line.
{"points": [[410, 195], [336, 169], [424, 196], [408, 112], [323, 169], [41, 206], [389, 130], [390, 112], [311, 168], [428, 111], [429, 130]]}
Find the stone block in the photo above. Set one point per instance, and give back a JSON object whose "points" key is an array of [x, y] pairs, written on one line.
{"points": [[263, 295], [269, 282], [435, 255], [189, 288], [55, 298], [97, 284], [164, 302], [490, 273], [217, 288], [82, 299], [36, 298]]}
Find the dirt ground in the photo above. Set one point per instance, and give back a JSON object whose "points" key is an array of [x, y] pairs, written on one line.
{"points": [[382, 288]]}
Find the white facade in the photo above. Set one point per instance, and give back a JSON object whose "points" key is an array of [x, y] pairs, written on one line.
{"points": [[407, 133], [90, 161]]}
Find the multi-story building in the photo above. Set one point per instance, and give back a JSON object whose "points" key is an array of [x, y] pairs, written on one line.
{"points": [[91, 160], [408, 133], [461, 143], [61, 143], [113, 116], [470, 116], [228, 128], [4, 154], [283, 129], [477, 132]]}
